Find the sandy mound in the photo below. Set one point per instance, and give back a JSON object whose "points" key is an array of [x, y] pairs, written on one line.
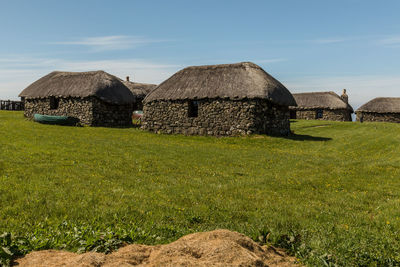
{"points": [[216, 248]]}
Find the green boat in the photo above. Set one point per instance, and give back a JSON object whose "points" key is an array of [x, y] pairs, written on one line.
{"points": [[58, 120]]}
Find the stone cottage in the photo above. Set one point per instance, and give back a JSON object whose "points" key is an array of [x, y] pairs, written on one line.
{"points": [[96, 98], [382, 109], [139, 91], [322, 106], [228, 99]]}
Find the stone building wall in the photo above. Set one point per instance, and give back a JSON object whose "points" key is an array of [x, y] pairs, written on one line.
{"points": [[89, 110], [327, 114], [111, 115], [80, 108], [216, 117], [271, 119], [378, 117]]}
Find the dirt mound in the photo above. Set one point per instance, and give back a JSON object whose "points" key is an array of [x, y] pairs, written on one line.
{"points": [[215, 248]]}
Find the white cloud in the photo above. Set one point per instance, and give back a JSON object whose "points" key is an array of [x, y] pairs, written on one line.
{"points": [[17, 73], [271, 60], [393, 41], [113, 42], [388, 41], [142, 70], [330, 40], [341, 39], [227, 61]]}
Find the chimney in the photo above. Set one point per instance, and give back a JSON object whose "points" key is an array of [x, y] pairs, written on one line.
{"points": [[344, 96], [127, 78]]}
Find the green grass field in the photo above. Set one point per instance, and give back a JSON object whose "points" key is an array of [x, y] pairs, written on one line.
{"points": [[330, 194]]}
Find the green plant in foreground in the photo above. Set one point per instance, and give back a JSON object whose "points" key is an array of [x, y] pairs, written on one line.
{"points": [[11, 247]]}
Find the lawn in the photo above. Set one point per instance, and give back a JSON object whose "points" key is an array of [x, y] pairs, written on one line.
{"points": [[330, 194]]}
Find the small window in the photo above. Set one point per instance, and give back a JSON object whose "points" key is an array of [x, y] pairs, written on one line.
{"points": [[320, 114], [54, 102], [193, 110]]}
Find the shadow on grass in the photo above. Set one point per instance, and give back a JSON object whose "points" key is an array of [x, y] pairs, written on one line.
{"points": [[304, 137], [2, 167]]}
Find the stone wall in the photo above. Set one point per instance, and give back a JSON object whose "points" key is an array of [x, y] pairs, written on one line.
{"points": [[89, 110], [271, 119], [379, 117], [327, 114], [80, 108], [111, 115], [217, 117]]}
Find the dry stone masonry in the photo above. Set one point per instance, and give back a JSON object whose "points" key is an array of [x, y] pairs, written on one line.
{"points": [[90, 111], [326, 114], [378, 117], [217, 117]]}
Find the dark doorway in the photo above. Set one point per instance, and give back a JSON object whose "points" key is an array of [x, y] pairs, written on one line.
{"points": [[319, 114], [293, 114], [54, 102], [193, 110]]}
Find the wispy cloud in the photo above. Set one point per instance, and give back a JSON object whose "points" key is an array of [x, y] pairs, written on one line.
{"points": [[387, 41], [345, 39], [16, 73], [271, 60], [393, 41], [107, 43], [17, 62], [225, 61], [330, 40]]}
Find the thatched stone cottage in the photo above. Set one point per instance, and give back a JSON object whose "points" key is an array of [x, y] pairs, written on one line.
{"points": [[382, 109], [139, 91], [229, 99], [321, 106], [96, 98]]}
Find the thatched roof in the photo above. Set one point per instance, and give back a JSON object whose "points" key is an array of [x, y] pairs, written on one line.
{"points": [[80, 84], [320, 100], [139, 90], [382, 105], [233, 81]]}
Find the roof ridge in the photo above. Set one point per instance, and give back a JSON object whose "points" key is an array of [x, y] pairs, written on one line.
{"points": [[216, 66], [385, 97], [324, 92], [80, 72]]}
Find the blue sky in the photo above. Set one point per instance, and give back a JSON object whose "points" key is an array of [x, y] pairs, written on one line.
{"points": [[307, 45]]}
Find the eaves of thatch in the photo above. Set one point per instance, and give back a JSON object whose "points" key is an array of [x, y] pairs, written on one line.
{"points": [[98, 84], [236, 81], [381, 105]]}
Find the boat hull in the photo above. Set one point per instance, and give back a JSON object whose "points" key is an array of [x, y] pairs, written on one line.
{"points": [[56, 120]]}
